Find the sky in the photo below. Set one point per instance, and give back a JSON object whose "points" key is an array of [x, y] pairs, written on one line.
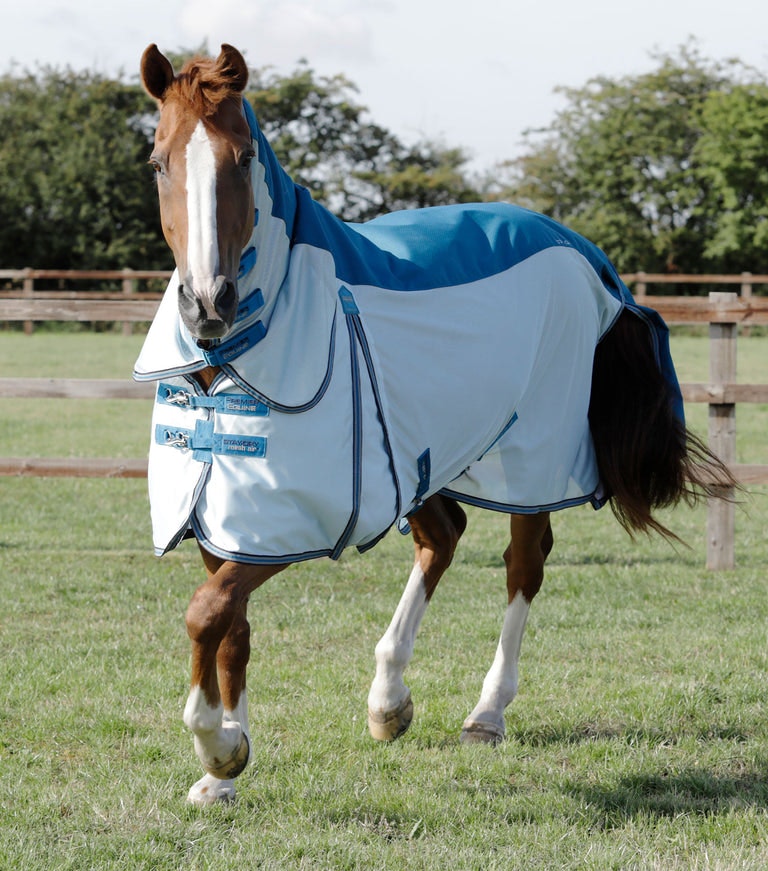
{"points": [[474, 74]]}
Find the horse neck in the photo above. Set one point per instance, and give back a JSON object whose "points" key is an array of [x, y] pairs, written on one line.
{"points": [[266, 255]]}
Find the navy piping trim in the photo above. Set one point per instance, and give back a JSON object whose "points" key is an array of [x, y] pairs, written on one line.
{"points": [[181, 532], [188, 369], [498, 438], [218, 379], [357, 431], [507, 508], [251, 558], [279, 406], [369, 545], [363, 340]]}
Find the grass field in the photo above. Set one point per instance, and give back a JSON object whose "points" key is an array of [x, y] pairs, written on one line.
{"points": [[639, 739]]}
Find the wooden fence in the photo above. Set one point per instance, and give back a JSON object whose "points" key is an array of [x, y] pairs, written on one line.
{"points": [[22, 300], [725, 312]]}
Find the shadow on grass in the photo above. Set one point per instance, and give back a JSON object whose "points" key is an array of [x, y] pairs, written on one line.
{"points": [[632, 736], [665, 792], [691, 791]]}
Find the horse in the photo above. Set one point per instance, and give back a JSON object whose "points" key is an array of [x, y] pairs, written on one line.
{"points": [[321, 382]]}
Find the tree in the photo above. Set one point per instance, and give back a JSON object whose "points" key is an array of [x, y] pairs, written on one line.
{"points": [[73, 189], [643, 166], [732, 153]]}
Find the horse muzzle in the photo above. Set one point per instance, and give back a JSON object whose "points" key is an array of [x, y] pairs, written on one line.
{"points": [[209, 314]]}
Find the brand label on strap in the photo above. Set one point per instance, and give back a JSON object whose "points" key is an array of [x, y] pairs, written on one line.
{"points": [[203, 442], [232, 348], [224, 403]]}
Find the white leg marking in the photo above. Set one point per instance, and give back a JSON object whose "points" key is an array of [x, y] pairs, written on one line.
{"points": [[221, 742], [209, 789], [202, 237], [500, 684], [200, 717], [394, 651]]}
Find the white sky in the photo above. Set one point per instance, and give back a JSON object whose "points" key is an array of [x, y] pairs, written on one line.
{"points": [[475, 73]]}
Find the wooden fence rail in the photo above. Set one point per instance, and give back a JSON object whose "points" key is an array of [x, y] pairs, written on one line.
{"points": [[724, 312], [28, 296]]}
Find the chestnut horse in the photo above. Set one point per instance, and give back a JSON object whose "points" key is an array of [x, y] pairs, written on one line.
{"points": [[265, 400]]}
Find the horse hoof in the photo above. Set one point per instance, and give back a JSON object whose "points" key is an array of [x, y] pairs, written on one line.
{"points": [[228, 769], [388, 725], [482, 733], [210, 790]]}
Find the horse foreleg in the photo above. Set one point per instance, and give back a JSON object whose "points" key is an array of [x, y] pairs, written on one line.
{"points": [[531, 542], [436, 529], [231, 662], [216, 709]]}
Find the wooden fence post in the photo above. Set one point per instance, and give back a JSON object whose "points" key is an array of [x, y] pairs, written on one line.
{"points": [[129, 287], [28, 290], [746, 295], [641, 287], [722, 438]]}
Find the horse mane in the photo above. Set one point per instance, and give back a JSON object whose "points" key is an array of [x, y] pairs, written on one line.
{"points": [[204, 84], [646, 457]]}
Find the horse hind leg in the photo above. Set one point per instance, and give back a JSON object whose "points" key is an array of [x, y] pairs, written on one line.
{"points": [[531, 542], [436, 529]]}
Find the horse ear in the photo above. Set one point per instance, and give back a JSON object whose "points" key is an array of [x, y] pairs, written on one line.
{"points": [[156, 72], [232, 64]]}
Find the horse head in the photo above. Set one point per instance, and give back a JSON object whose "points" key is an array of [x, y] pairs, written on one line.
{"points": [[202, 160]]}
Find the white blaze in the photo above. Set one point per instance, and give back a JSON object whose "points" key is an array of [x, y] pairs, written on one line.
{"points": [[202, 238]]}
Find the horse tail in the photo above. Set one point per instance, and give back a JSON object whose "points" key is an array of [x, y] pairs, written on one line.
{"points": [[646, 457]]}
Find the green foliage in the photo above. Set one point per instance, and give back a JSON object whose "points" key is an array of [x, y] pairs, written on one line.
{"points": [[666, 170], [732, 153], [73, 189], [75, 193]]}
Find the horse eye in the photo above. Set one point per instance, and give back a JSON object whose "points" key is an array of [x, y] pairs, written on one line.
{"points": [[156, 165], [246, 159]]}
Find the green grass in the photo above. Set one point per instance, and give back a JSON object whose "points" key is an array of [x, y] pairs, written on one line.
{"points": [[638, 741]]}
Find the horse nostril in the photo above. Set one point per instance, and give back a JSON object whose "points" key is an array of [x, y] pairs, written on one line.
{"points": [[188, 302], [225, 301]]}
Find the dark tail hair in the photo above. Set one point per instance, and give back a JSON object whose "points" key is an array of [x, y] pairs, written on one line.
{"points": [[646, 457]]}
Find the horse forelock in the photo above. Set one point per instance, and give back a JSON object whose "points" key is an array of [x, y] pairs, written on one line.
{"points": [[204, 86]]}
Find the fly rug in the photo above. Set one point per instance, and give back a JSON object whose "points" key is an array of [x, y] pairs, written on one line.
{"points": [[319, 382]]}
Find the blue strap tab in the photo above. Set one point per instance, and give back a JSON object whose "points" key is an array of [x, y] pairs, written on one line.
{"points": [[224, 403], [204, 442], [247, 261], [424, 466], [252, 303], [348, 304], [232, 348]]}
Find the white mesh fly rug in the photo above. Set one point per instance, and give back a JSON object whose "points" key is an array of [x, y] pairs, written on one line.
{"points": [[438, 350]]}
